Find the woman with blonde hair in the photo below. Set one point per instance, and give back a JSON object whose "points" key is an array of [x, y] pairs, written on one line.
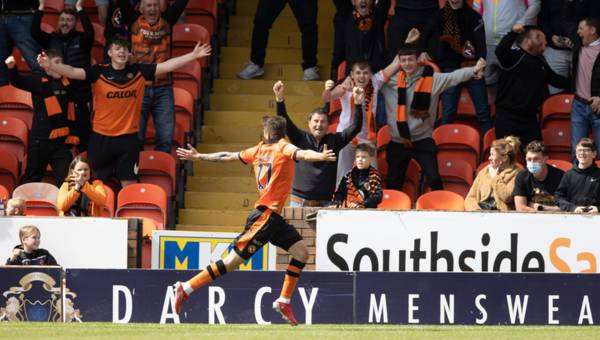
{"points": [[80, 194], [493, 186]]}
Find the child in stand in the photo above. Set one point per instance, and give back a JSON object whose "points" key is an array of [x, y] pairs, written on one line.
{"points": [[29, 253], [361, 186], [15, 207]]}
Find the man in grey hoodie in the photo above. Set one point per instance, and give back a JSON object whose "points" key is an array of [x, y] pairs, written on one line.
{"points": [[411, 103]]}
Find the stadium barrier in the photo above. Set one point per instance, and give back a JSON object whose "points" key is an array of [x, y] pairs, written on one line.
{"points": [[124, 296]]}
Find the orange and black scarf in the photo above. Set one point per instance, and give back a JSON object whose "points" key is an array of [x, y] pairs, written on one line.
{"points": [[421, 98], [363, 23], [60, 117], [371, 123], [359, 192]]}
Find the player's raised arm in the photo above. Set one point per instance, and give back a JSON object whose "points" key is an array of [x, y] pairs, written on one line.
{"points": [[192, 154], [326, 155], [60, 68]]}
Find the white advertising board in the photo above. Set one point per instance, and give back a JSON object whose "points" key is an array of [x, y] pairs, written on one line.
{"points": [[75, 242], [435, 241]]}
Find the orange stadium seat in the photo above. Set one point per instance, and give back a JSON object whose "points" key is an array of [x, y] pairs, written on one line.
{"points": [[556, 111], [9, 169], [203, 13], [184, 109], [383, 137], [143, 200], [14, 136], [456, 173], [97, 52], [4, 194], [108, 210], [16, 103], [465, 110], [186, 36], [560, 164], [488, 138], [189, 77], [394, 199], [458, 141], [558, 143], [441, 200], [412, 180], [46, 28], [52, 9], [40, 198], [382, 166], [158, 168]]}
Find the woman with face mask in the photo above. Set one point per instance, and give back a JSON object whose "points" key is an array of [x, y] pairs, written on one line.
{"points": [[493, 186], [535, 187]]}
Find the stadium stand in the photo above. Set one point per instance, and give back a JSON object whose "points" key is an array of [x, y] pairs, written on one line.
{"points": [[16, 103], [456, 173], [441, 200], [40, 197], [14, 136], [394, 199], [560, 164], [9, 170], [556, 111], [558, 142], [458, 141], [143, 200]]}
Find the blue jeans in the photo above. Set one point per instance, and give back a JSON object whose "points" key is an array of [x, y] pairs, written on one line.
{"points": [[583, 119], [16, 30], [478, 92], [160, 101]]}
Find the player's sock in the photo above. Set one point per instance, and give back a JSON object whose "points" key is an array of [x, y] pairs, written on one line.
{"points": [[212, 271], [292, 275]]}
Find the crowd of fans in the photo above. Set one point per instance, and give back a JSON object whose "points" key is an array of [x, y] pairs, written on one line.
{"points": [[402, 59]]}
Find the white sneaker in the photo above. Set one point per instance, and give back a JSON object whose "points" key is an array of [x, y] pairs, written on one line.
{"points": [[251, 71], [312, 73]]}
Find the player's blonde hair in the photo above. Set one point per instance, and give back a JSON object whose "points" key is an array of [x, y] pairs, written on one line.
{"points": [[27, 231]]}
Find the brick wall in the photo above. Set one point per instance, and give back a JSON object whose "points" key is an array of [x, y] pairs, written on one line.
{"points": [[295, 216]]}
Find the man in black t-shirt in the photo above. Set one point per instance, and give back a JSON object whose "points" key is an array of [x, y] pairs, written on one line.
{"points": [[535, 186]]}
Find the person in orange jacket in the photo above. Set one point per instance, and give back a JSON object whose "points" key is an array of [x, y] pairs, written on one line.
{"points": [[79, 195]]}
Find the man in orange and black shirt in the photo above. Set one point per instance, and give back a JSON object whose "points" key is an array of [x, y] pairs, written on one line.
{"points": [[273, 163], [118, 92]]}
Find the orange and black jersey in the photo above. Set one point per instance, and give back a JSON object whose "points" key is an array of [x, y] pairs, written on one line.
{"points": [[359, 186], [274, 169], [118, 97]]}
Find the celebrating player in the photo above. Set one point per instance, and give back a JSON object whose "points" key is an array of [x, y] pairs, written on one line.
{"points": [[273, 162]]}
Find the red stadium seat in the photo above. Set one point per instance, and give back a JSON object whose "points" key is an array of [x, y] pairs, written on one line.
{"points": [[184, 109], [488, 138], [394, 199], [203, 13], [458, 141], [143, 200], [560, 164], [558, 143], [91, 10], [9, 169], [14, 136], [383, 137], [341, 71], [97, 52], [158, 168], [40, 198], [52, 9], [16, 103], [456, 174], [441, 200], [189, 77], [4, 194], [46, 28], [556, 111], [186, 36], [412, 180], [108, 210]]}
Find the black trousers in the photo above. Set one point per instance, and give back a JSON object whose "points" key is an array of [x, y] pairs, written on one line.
{"points": [[525, 126], [40, 153], [267, 11], [83, 124], [401, 23], [343, 8], [424, 152]]}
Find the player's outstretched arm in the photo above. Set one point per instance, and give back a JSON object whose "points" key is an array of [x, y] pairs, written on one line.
{"points": [[60, 68], [200, 51], [192, 154], [326, 155]]}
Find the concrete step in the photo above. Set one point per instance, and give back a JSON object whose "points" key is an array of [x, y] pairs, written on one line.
{"points": [[262, 102], [265, 86], [247, 118], [248, 7], [211, 229], [213, 169], [243, 38], [221, 184], [273, 72], [220, 200], [225, 134], [211, 147], [213, 217], [281, 24], [241, 55]]}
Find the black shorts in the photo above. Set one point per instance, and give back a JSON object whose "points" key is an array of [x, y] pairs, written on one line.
{"points": [[118, 156], [262, 226]]}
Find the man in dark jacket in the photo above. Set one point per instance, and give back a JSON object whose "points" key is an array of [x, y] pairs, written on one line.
{"points": [[522, 83], [579, 189], [75, 47], [150, 33], [455, 37], [586, 82], [314, 183], [15, 30]]}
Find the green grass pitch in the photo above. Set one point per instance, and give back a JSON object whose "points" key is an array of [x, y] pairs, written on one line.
{"points": [[320, 332]]}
